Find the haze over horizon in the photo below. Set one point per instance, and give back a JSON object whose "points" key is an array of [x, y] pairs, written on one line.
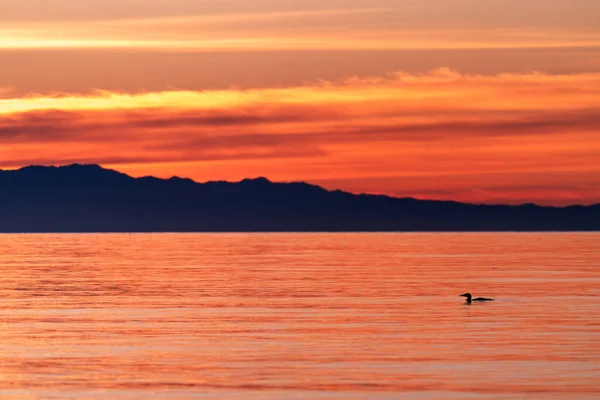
{"points": [[479, 102]]}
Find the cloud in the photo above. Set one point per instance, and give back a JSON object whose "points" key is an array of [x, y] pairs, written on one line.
{"points": [[359, 28], [401, 107], [441, 124]]}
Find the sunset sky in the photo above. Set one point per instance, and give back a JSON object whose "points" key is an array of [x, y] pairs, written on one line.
{"points": [[493, 101]]}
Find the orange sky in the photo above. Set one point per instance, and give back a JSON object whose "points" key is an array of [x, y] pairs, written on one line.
{"points": [[495, 101]]}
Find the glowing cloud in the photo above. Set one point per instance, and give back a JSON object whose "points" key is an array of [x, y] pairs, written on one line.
{"points": [[481, 134]]}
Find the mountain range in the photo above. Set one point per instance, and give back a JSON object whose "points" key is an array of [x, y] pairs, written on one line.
{"points": [[89, 198]]}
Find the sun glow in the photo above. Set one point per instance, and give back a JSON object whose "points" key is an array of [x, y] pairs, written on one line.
{"points": [[357, 129], [306, 90]]}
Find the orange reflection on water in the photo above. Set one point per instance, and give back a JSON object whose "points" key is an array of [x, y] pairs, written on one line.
{"points": [[272, 316]]}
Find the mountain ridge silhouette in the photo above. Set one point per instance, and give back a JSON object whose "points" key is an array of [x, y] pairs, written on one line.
{"points": [[90, 198]]}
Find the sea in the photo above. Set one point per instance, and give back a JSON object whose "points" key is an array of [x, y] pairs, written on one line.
{"points": [[300, 316]]}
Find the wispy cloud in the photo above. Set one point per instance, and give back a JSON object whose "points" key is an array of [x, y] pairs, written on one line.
{"points": [[384, 28], [442, 124]]}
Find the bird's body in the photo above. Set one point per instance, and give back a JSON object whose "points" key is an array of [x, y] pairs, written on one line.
{"points": [[478, 299]]}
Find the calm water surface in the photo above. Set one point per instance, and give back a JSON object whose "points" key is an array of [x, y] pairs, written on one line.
{"points": [[291, 316]]}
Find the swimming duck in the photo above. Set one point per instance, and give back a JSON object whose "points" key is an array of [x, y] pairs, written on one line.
{"points": [[468, 296]]}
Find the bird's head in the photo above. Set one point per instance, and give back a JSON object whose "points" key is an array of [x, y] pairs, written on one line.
{"points": [[466, 295]]}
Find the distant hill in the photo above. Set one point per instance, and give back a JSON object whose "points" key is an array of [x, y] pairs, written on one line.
{"points": [[88, 198]]}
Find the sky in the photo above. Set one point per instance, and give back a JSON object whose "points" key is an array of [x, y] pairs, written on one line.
{"points": [[494, 101]]}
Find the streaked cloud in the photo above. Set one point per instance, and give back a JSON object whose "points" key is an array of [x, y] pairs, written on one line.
{"points": [[309, 25], [443, 127], [172, 35]]}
